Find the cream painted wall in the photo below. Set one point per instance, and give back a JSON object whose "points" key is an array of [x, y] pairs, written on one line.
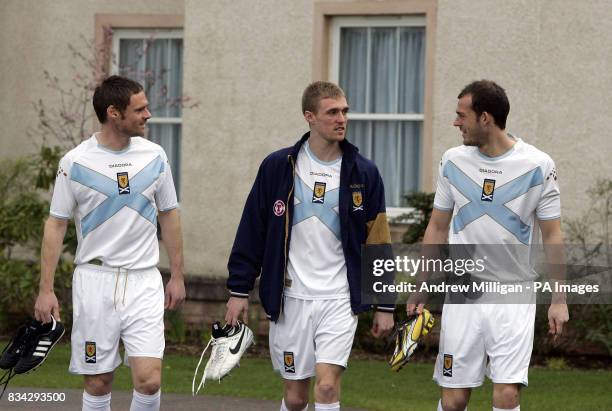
{"points": [[553, 58], [248, 63], [35, 36]]}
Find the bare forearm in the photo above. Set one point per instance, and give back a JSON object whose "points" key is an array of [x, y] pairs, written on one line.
{"points": [[435, 235], [170, 223], [53, 238], [552, 238], [555, 257]]}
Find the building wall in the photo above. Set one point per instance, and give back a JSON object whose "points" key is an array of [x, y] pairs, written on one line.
{"points": [[247, 65]]}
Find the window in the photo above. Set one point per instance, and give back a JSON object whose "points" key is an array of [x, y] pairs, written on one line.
{"points": [[154, 58], [380, 64]]}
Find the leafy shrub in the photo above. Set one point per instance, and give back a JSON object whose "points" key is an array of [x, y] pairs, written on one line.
{"points": [[23, 210]]}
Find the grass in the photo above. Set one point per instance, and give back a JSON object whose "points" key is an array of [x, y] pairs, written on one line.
{"points": [[367, 384]]}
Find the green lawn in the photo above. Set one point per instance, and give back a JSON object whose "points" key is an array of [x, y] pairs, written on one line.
{"points": [[367, 384]]}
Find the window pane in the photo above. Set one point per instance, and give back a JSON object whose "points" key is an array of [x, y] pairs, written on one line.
{"points": [[412, 69], [410, 152], [353, 66], [131, 64], [175, 76], [169, 137], [383, 62], [359, 135], [394, 146], [157, 65]]}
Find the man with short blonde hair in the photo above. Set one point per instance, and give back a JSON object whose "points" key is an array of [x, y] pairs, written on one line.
{"points": [[311, 209]]}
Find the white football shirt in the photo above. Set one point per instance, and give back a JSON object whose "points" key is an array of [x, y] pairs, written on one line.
{"points": [[114, 197], [316, 267], [496, 201]]}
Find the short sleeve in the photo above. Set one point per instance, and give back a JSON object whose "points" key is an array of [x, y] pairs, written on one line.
{"points": [[549, 206], [165, 196], [63, 201], [444, 196]]}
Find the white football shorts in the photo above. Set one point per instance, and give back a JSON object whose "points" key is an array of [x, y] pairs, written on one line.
{"points": [[111, 304], [471, 333], [309, 332]]}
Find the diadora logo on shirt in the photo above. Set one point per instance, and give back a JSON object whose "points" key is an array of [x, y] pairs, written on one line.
{"points": [[318, 193], [490, 171], [123, 182], [488, 188], [120, 165], [313, 173]]}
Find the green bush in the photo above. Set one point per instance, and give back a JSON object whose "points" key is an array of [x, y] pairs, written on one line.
{"points": [[23, 210], [421, 205]]}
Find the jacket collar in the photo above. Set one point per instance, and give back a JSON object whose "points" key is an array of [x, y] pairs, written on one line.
{"points": [[349, 151]]}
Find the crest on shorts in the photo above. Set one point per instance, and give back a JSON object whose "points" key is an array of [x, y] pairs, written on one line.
{"points": [[123, 182], [447, 369], [289, 362], [90, 352], [318, 193], [357, 201], [488, 188]]}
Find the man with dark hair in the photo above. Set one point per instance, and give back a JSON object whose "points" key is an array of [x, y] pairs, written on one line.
{"points": [[310, 210], [115, 91], [494, 189], [487, 96], [115, 185]]}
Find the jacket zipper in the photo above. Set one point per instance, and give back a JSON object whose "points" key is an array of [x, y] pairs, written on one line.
{"points": [[287, 232]]}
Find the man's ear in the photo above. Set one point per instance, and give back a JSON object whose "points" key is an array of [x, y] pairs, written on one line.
{"points": [[113, 112], [309, 116], [486, 118]]}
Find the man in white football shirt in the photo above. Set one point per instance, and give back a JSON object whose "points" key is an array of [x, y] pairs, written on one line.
{"points": [[311, 209], [115, 186], [495, 189]]}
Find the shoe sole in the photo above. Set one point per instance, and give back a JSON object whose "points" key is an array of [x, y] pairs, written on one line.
{"points": [[426, 326], [45, 357]]}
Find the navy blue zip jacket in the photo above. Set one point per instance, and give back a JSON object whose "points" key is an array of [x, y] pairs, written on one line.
{"points": [[262, 241]]}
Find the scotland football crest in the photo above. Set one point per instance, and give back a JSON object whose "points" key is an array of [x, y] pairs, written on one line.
{"points": [[318, 193], [357, 201], [289, 361], [447, 369], [123, 183], [90, 352], [488, 188]]}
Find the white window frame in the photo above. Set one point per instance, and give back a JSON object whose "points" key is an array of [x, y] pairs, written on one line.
{"points": [[119, 34], [340, 22]]}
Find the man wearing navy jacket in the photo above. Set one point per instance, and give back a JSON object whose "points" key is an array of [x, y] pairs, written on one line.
{"points": [[311, 209]]}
